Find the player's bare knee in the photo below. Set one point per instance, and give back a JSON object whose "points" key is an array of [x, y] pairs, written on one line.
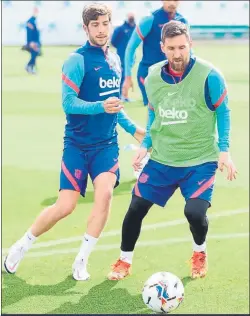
{"points": [[105, 195], [65, 208]]}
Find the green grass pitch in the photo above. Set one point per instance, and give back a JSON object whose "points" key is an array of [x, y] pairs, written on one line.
{"points": [[33, 125]]}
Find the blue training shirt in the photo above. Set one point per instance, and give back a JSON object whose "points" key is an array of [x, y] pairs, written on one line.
{"points": [[148, 31], [216, 99], [121, 37], [89, 77], [33, 33]]}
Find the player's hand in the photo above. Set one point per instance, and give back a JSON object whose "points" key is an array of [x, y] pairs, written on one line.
{"points": [[128, 83], [141, 153], [33, 45], [113, 105], [139, 134], [225, 161]]}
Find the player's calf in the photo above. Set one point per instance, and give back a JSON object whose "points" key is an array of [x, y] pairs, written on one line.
{"points": [[47, 219], [103, 185], [195, 212], [131, 228]]}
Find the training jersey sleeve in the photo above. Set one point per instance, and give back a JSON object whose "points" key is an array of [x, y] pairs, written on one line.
{"points": [[115, 36], [31, 30], [218, 101], [72, 76], [126, 123], [138, 35], [147, 141]]}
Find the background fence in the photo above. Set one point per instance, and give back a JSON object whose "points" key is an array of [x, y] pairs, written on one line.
{"points": [[60, 21]]}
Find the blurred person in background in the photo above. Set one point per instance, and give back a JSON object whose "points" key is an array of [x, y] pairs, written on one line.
{"points": [[120, 39], [148, 31], [33, 45]]}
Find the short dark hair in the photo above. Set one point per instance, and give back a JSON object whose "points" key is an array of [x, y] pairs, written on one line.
{"points": [[92, 11], [174, 28]]}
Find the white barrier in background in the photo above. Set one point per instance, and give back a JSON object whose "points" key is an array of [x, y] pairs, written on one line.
{"points": [[60, 21]]}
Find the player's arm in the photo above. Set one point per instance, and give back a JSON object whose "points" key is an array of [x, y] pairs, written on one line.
{"points": [[32, 35], [115, 36], [36, 32], [138, 35], [72, 75], [217, 100], [130, 127], [30, 31], [146, 142]]}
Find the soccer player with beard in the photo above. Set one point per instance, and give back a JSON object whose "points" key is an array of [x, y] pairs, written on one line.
{"points": [[90, 75], [188, 99]]}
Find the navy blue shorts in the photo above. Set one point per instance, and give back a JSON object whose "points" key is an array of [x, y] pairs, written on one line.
{"points": [[77, 164], [141, 75], [158, 182]]}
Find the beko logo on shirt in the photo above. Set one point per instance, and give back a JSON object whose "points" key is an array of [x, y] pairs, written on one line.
{"points": [[109, 83], [113, 84], [178, 116]]}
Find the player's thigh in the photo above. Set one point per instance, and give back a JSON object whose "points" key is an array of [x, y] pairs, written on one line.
{"points": [[200, 183], [105, 161], [104, 172], [74, 173], [153, 184]]}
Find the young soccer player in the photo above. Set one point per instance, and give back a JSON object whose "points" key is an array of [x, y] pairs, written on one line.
{"points": [[90, 93]]}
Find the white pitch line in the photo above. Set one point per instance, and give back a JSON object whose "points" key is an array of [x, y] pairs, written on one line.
{"points": [[144, 228], [139, 244]]}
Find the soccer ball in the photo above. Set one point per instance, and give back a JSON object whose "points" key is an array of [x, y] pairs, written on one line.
{"points": [[163, 292]]}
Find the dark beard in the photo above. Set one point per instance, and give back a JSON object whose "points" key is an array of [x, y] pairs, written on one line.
{"points": [[97, 44], [180, 68]]}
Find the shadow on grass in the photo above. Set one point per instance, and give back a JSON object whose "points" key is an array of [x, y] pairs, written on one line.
{"points": [[123, 188], [186, 280], [103, 299], [16, 289]]}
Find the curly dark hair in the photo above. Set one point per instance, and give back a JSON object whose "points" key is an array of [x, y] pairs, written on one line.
{"points": [[92, 11]]}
